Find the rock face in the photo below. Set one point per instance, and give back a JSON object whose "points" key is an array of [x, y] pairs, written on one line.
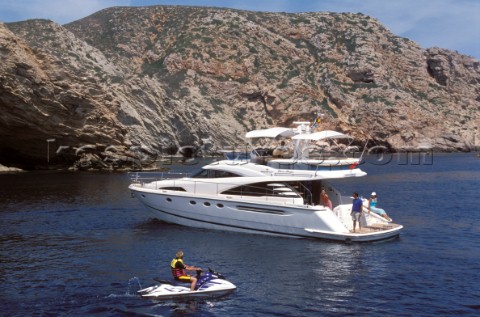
{"points": [[126, 84]]}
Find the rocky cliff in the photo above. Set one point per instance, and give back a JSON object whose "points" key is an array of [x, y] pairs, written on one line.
{"points": [[126, 83]]}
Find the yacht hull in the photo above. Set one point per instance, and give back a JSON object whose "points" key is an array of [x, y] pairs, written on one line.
{"points": [[229, 214]]}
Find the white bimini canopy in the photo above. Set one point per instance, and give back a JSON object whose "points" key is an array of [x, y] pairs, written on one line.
{"points": [[327, 134], [270, 133]]}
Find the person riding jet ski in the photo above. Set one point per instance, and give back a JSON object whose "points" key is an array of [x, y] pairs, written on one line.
{"points": [[179, 270]]}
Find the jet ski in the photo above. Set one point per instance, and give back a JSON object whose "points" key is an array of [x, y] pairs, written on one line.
{"points": [[209, 284]]}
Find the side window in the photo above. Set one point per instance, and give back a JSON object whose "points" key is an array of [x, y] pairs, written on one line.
{"points": [[219, 174], [213, 174], [201, 174], [263, 189], [178, 189]]}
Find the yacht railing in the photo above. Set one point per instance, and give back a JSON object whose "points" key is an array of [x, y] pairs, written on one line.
{"points": [[308, 198], [149, 177]]}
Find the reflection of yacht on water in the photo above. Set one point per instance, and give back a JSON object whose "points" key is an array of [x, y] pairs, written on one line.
{"points": [[247, 197]]}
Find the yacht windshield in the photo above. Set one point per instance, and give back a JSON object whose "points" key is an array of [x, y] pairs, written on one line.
{"points": [[207, 173]]}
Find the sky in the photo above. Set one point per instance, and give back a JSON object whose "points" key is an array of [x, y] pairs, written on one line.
{"points": [[450, 24]]}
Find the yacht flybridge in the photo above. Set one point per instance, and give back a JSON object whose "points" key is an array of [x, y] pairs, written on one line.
{"points": [[299, 158]]}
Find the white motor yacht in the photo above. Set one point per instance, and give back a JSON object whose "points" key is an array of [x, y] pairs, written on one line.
{"points": [[247, 197]]}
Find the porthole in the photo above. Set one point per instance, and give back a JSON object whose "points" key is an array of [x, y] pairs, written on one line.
{"points": [[206, 203], [220, 205], [193, 202], [169, 199]]}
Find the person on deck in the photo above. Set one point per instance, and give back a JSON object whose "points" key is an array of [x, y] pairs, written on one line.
{"points": [[281, 150], [179, 270], [357, 208], [372, 206], [325, 199]]}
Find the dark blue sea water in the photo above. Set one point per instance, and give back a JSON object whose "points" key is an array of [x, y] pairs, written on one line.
{"points": [[77, 244]]}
